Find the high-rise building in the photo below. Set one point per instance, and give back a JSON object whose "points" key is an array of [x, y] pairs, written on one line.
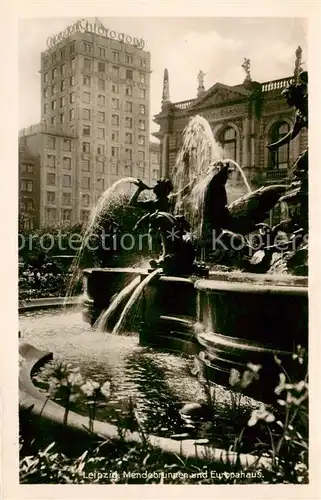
{"points": [[95, 106]]}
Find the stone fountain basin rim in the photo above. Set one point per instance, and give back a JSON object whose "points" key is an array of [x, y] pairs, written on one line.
{"points": [[216, 286], [47, 302], [32, 398]]}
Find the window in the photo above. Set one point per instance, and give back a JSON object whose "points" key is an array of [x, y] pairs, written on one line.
{"points": [[63, 70], [101, 52], [114, 168], [128, 107], [54, 89], [101, 100], [87, 81], [53, 105], [46, 92], [141, 155], [143, 63], [87, 63], [142, 93], [115, 88], [128, 154], [129, 91], [101, 133], [101, 67], [115, 135], [115, 120], [66, 215], [62, 102], [141, 172], [114, 152], [67, 145], [51, 197], [155, 158], [71, 114], [85, 184], [115, 71], [142, 125], [85, 165], [142, 78], [100, 167], [63, 53], [72, 97], [280, 159], [51, 179], [101, 84], [62, 85], [115, 55], [84, 215], [128, 122], [115, 103], [54, 74], [73, 63], [86, 200], [30, 204], [86, 114], [141, 140], [45, 109], [87, 46], [66, 180], [86, 147], [54, 57], [86, 130], [27, 168], [28, 186], [142, 109], [51, 214], [53, 120], [228, 142], [128, 59], [46, 63], [101, 149], [129, 74], [155, 174], [100, 184], [45, 78], [86, 97], [51, 161], [72, 81], [101, 117], [66, 198], [128, 138], [67, 162], [62, 118]]}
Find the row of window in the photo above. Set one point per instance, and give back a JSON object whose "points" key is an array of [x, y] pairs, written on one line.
{"points": [[51, 215], [100, 165], [86, 146], [88, 47], [87, 81], [26, 186], [66, 182], [280, 160], [52, 142], [27, 204]]}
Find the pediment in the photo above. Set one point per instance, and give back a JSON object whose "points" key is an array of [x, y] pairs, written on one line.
{"points": [[219, 94]]}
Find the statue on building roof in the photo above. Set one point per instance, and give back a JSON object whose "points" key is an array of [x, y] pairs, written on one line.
{"points": [[247, 68], [298, 64], [165, 96], [200, 89]]}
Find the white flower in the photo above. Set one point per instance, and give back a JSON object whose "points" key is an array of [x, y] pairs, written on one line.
{"points": [[105, 389], [89, 387], [260, 414]]}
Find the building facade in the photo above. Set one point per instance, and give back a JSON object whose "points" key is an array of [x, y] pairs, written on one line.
{"points": [[95, 106], [154, 162], [244, 119]]}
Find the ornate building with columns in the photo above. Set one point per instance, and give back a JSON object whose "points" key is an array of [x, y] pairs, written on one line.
{"points": [[244, 119]]}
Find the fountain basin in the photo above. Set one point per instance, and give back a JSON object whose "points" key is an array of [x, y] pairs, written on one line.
{"points": [[239, 318]]}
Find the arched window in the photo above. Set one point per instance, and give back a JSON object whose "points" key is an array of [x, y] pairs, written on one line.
{"points": [[280, 159], [228, 142]]}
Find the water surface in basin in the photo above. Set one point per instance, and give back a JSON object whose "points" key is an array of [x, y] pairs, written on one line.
{"points": [[159, 383]]}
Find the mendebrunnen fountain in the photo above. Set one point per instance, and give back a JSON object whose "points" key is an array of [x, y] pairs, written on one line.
{"points": [[226, 288]]}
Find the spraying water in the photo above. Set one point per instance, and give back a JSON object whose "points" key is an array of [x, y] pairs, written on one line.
{"points": [[134, 297], [104, 202], [102, 321]]}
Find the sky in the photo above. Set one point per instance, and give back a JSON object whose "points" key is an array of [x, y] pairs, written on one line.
{"points": [[216, 46]]}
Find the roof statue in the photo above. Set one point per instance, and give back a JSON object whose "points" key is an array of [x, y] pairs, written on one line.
{"points": [[200, 88], [247, 68]]}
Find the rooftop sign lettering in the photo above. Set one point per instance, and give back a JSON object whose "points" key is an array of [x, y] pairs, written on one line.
{"points": [[84, 26]]}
